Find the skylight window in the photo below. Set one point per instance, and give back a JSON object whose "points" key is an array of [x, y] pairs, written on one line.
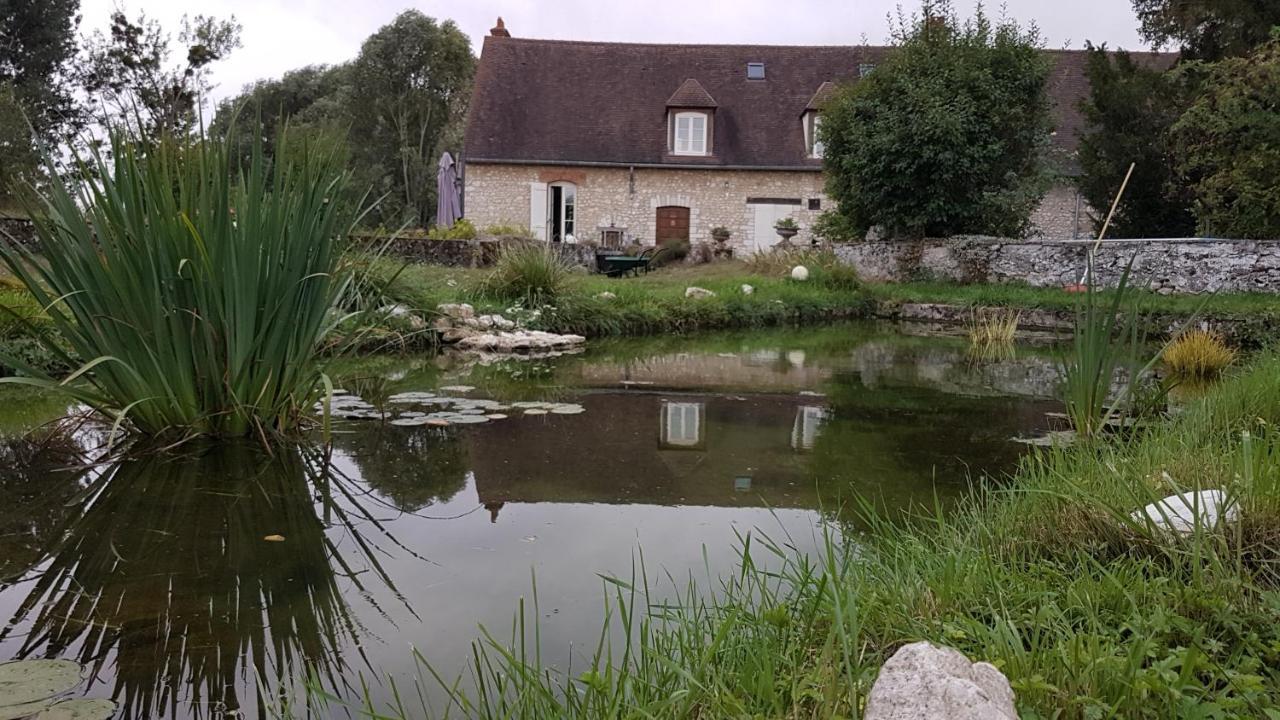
{"points": [[755, 71]]}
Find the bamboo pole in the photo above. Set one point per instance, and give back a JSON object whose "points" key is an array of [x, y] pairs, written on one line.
{"points": [[1106, 225]]}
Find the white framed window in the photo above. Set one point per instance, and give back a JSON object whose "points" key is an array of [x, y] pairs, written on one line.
{"points": [[690, 133], [812, 124], [804, 431], [682, 424], [562, 201]]}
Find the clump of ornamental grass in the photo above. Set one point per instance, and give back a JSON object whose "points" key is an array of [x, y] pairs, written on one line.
{"points": [[995, 327], [196, 289], [530, 272], [1198, 355]]}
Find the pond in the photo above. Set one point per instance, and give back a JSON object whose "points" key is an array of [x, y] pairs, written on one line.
{"points": [[187, 581]]}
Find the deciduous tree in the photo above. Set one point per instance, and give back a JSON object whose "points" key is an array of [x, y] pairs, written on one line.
{"points": [[409, 88], [948, 136], [1208, 29]]}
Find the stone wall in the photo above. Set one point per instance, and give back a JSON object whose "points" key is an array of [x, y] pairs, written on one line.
{"points": [[500, 195], [465, 253], [1165, 266], [19, 229]]}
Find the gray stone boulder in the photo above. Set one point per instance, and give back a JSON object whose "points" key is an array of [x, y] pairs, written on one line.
{"points": [[697, 292], [456, 311], [1207, 509], [925, 682], [520, 341]]}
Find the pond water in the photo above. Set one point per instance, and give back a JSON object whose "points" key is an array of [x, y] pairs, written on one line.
{"points": [[185, 581]]}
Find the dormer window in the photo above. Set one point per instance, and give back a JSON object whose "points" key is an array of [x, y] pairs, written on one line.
{"points": [[812, 133], [690, 133], [689, 112]]}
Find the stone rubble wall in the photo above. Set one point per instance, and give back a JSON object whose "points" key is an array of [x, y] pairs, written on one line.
{"points": [[1164, 266], [466, 253]]}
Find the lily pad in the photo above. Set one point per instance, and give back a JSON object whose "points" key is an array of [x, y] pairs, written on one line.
{"points": [[409, 422], [496, 416], [469, 419], [535, 411], [568, 410], [29, 681], [438, 422], [79, 709], [457, 388]]}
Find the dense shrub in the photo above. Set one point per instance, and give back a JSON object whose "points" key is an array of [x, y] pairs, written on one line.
{"points": [[505, 230], [531, 272], [1228, 146], [460, 230], [947, 136], [1130, 111], [1198, 354]]}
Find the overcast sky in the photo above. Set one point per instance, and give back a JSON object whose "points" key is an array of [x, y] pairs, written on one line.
{"points": [[280, 35]]}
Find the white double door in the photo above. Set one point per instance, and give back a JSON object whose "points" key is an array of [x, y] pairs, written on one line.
{"points": [[766, 216]]}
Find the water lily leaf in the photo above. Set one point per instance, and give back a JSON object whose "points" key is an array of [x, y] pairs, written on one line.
{"points": [[27, 681], [274, 538], [24, 711], [79, 709]]}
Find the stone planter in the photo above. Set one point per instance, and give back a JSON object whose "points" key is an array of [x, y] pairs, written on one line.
{"points": [[786, 233]]}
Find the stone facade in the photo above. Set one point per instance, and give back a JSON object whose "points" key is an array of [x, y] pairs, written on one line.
{"points": [[629, 199], [463, 253], [1165, 266], [625, 198]]}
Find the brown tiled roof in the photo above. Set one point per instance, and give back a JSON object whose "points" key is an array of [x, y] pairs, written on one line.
{"points": [[691, 95], [556, 101]]}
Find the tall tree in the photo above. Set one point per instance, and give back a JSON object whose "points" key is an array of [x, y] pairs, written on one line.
{"points": [[947, 136], [312, 98], [1130, 110], [37, 100], [409, 85], [129, 70], [37, 44], [1228, 146], [1208, 29]]}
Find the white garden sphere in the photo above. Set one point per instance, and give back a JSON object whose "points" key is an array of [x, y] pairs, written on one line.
{"points": [[800, 273]]}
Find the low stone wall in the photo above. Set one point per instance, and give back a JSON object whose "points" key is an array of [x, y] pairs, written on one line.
{"points": [[1165, 266], [467, 253], [19, 229]]}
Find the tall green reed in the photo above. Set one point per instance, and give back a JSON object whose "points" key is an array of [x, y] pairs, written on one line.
{"points": [[196, 287], [1107, 340]]}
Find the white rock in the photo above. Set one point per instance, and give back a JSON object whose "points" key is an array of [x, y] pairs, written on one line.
{"points": [[457, 311], [490, 322], [404, 314], [520, 341], [800, 273], [925, 682], [747, 290], [697, 292], [606, 295], [1179, 513]]}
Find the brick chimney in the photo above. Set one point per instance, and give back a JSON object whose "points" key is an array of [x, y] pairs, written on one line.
{"points": [[499, 30]]}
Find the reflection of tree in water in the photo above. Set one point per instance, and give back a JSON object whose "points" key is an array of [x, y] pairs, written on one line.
{"points": [[165, 567], [411, 467], [36, 488]]}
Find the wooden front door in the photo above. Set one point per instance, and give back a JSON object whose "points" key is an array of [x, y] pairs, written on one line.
{"points": [[673, 225]]}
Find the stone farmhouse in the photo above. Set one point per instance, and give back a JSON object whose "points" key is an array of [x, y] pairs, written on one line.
{"points": [[616, 142]]}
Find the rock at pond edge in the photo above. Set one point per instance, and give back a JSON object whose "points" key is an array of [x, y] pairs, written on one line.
{"points": [[923, 681]]}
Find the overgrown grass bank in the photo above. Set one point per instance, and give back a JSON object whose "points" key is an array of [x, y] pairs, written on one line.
{"points": [[1090, 613], [594, 305]]}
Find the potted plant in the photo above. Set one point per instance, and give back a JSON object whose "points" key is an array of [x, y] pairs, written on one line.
{"points": [[786, 229], [720, 234]]}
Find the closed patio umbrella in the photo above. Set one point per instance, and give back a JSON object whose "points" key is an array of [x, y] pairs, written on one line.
{"points": [[448, 206]]}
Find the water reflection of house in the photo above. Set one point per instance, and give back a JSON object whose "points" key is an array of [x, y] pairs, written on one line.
{"points": [[662, 448], [756, 371]]}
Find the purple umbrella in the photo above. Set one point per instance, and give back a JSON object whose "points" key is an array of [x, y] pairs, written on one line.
{"points": [[448, 207]]}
